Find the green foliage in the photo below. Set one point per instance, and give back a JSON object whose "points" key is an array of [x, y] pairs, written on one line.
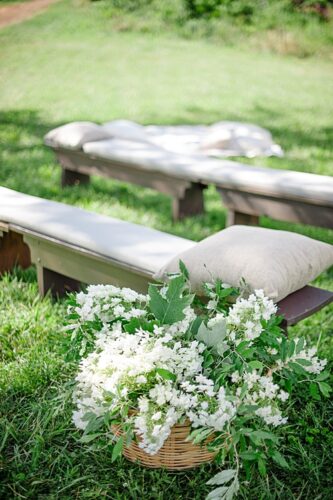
{"points": [[213, 336], [285, 26], [170, 309]]}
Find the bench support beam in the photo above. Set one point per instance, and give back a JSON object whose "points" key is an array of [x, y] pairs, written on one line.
{"points": [[55, 283], [73, 178], [234, 217], [13, 251], [77, 167], [191, 203], [242, 205]]}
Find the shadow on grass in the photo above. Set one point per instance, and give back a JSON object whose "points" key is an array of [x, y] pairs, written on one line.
{"points": [[30, 167]]}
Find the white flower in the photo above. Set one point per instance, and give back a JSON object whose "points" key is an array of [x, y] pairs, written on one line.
{"points": [[159, 369], [245, 317], [235, 377], [212, 304], [217, 319], [283, 396]]}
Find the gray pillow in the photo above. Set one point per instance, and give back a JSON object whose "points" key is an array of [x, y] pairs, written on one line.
{"points": [[75, 134], [279, 262]]}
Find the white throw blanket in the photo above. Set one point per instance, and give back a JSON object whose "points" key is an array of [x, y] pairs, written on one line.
{"points": [[221, 139]]}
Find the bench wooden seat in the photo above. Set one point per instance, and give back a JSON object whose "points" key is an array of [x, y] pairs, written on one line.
{"points": [[71, 246], [247, 191]]}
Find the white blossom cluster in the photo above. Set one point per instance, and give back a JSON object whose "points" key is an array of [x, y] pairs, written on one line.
{"points": [[262, 391], [123, 363], [244, 320], [159, 372], [313, 364], [108, 302]]}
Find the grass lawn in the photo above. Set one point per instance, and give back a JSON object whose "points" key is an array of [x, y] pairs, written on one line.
{"points": [[69, 64]]}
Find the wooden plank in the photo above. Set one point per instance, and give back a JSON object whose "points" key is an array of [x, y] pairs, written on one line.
{"points": [[284, 209], [303, 303], [80, 265], [78, 161], [77, 167]]}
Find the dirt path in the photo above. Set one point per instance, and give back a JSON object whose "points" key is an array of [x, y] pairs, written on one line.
{"points": [[17, 12]]}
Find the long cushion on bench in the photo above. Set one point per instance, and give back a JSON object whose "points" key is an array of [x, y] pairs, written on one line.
{"points": [[140, 247], [313, 188], [70, 246]]}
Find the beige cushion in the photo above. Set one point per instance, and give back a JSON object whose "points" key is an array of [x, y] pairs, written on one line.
{"points": [[126, 129], [279, 262], [130, 244], [288, 184], [74, 135]]}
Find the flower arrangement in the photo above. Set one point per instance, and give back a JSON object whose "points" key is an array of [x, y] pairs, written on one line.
{"points": [[220, 362]]}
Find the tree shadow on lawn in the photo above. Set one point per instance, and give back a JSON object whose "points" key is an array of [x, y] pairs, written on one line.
{"points": [[28, 166]]}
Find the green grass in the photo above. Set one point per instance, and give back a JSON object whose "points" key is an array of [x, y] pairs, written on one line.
{"points": [[67, 64]]}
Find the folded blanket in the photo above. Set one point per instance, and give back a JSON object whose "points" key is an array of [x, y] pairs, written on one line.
{"points": [[223, 139]]}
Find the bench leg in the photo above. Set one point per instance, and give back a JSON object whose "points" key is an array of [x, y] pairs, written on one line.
{"points": [[192, 202], [13, 252], [56, 283], [72, 178], [240, 218]]}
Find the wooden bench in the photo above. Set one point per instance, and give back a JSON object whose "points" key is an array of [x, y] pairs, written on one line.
{"points": [[248, 192], [78, 166], [70, 246]]}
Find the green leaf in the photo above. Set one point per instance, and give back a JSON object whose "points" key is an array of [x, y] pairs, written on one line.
{"points": [[300, 345], [256, 365], [169, 310], [222, 348], [218, 493], [314, 392], [322, 376], [265, 436], [212, 337], [94, 423], [280, 460], [291, 348], [303, 362], [184, 270], [195, 325], [201, 436], [166, 374], [223, 477], [249, 455], [325, 388], [244, 391], [87, 438], [117, 449], [297, 368], [262, 467], [283, 349]]}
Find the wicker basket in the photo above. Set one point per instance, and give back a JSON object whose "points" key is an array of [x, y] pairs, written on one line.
{"points": [[175, 454]]}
